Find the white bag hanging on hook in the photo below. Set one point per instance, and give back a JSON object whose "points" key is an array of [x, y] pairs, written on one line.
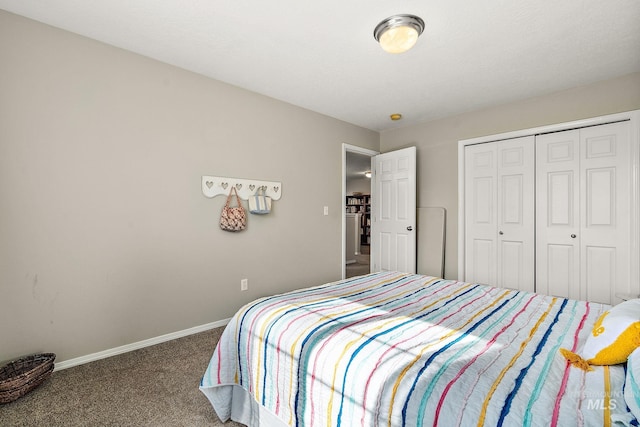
{"points": [[259, 203]]}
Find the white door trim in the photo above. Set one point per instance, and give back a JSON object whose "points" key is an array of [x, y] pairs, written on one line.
{"points": [[352, 149]]}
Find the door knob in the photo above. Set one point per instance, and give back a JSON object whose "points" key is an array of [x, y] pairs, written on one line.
{"points": [[500, 233], [409, 228], [573, 236]]}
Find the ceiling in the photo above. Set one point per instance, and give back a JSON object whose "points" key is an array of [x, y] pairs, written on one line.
{"points": [[356, 165], [322, 56]]}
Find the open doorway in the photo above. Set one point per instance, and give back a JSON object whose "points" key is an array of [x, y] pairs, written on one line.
{"points": [[356, 206]]}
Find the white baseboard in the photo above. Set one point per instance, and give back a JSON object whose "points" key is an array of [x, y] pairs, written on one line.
{"points": [[138, 345]]}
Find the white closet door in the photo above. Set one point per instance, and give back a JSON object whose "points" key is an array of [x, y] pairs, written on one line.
{"points": [[558, 214], [582, 231], [516, 220], [499, 213], [481, 213], [605, 207]]}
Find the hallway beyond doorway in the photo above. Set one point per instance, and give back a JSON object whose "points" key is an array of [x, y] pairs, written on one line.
{"points": [[362, 264]]}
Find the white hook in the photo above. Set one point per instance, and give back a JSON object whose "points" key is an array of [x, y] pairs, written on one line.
{"points": [[215, 185]]}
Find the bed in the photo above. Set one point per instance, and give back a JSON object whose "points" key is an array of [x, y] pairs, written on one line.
{"points": [[396, 349]]}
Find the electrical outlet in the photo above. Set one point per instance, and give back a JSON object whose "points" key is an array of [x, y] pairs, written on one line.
{"points": [[326, 210], [244, 284]]}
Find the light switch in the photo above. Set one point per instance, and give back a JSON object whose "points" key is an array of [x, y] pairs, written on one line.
{"points": [[326, 210]]}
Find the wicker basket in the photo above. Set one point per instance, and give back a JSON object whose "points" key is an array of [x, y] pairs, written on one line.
{"points": [[19, 377]]}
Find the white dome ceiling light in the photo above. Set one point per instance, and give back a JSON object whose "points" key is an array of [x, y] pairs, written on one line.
{"points": [[398, 33]]}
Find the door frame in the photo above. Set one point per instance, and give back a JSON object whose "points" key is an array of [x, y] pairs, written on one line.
{"points": [[352, 149], [632, 116]]}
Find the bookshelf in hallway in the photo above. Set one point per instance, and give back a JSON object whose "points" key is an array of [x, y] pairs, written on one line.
{"points": [[361, 203]]}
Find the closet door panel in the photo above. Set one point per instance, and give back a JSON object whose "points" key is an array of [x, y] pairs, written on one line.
{"points": [[600, 200], [605, 208], [516, 238], [483, 201], [483, 264], [600, 273], [560, 277], [561, 187], [512, 265], [511, 200], [481, 213], [557, 214]]}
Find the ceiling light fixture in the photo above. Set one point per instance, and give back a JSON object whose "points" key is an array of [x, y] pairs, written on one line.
{"points": [[398, 33], [395, 116]]}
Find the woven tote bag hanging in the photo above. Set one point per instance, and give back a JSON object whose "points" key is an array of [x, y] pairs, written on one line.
{"points": [[233, 218], [259, 203]]}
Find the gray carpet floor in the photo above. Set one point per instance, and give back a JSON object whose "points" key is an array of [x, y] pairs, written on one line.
{"points": [[361, 266], [153, 386]]}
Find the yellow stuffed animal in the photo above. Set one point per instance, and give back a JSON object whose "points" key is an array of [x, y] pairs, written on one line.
{"points": [[615, 335]]}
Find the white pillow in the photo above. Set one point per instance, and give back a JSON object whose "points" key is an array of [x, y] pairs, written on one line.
{"points": [[615, 335], [632, 383]]}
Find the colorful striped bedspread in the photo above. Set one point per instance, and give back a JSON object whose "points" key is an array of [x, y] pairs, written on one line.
{"points": [[395, 349]]}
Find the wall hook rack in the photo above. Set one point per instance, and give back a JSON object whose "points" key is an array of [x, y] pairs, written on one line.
{"points": [[219, 185]]}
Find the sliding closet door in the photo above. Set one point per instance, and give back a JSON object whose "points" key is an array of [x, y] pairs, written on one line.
{"points": [[583, 219], [499, 213]]}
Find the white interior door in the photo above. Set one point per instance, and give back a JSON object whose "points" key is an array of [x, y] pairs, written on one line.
{"points": [[393, 211]]}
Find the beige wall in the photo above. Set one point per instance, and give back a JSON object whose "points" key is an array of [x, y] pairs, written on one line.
{"points": [[358, 185], [437, 141], [105, 236]]}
